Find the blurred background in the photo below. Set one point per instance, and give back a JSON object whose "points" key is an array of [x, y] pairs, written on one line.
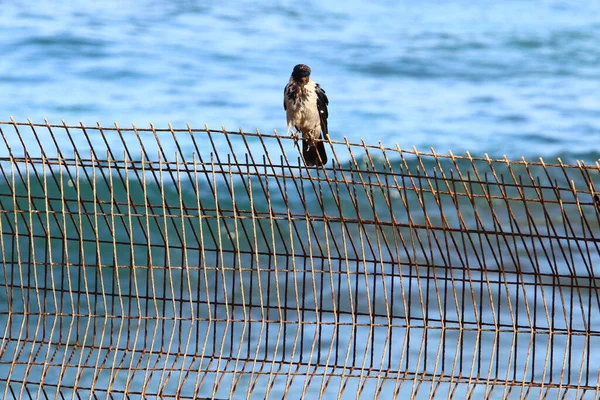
{"points": [[503, 77], [519, 78]]}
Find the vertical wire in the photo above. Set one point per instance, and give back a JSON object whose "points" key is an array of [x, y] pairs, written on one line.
{"points": [[66, 265], [48, 358], [134, 268]]}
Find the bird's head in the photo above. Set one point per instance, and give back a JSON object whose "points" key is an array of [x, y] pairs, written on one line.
{"points": [[301, 73]]}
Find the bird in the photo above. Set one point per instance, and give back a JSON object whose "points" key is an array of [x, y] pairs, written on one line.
{"points": [[305, 103]]}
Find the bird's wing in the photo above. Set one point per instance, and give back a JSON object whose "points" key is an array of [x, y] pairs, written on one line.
{"points": [[322, 102], [285, 95]]}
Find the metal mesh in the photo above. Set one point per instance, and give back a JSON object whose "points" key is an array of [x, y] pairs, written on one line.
{"points": [[198, 263]]}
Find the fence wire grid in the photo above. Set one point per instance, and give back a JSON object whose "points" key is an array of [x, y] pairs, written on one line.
{"points": [[200, 263]]}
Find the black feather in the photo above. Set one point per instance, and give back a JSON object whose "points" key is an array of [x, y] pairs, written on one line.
{"points": [[314, 152], [322, 102]]}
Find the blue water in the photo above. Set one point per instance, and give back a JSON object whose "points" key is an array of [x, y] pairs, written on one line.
{"points": [[513, 77], [519, 78]]}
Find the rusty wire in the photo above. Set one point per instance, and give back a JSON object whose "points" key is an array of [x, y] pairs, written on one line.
{"points": [[145, 262]]}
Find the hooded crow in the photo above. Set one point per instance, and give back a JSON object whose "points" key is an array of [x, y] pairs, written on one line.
{"points": [[305, 103]]}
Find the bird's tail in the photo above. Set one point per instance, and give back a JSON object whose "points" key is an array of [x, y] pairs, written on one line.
{"points": [[314, 153]]}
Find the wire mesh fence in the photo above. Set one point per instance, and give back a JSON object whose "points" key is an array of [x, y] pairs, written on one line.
{"points": [[198, 263]]}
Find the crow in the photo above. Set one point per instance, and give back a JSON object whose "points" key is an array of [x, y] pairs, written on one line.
{"points": [[305, 103]]}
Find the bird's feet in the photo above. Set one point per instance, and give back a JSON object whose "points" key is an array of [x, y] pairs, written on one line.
{"points": [[295, 136]]}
